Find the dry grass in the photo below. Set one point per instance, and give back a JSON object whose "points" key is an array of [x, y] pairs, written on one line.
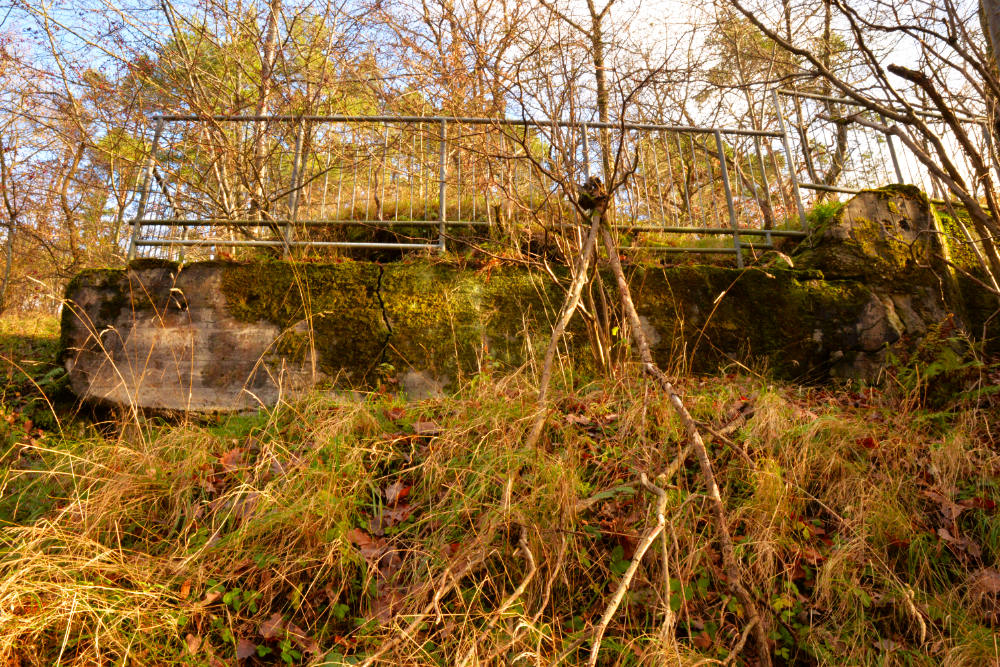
{"points": [[346, 528]]}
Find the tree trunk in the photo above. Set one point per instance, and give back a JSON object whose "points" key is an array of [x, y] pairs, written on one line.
{"points": [[267, 58], [5, 185]]}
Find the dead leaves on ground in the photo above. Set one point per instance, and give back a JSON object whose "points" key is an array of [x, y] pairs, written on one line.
{"points": [[383, 556]]}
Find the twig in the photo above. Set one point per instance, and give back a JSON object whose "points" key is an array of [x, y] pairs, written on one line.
{"points": [[640, 551], [443, 589], [511, 599], [738, 648]]}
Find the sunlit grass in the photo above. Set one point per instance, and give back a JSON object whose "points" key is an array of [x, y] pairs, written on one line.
{"points": [[327, 526]]}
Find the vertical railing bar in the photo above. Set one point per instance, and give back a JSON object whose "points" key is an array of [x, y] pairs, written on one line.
{"points": [[424, 167], [701, 191], [442, 172], [146, 182], [340, 178], [475, 189], [645, 178], [729, 199], [790, 167], [458, 173], [712, 199], [354, 173], [659, 181], [397, 170], [368, 181], [380, 211], [684, 176], [409, 177]]}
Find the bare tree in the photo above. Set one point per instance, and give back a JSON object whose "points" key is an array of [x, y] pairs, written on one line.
{"points": [[943, 91]]}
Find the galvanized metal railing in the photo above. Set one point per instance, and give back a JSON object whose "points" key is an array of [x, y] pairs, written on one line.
{"points": [[405, 182], [837, 149]]}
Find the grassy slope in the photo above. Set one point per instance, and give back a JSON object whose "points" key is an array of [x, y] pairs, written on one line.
{"points": [[866, 525]]}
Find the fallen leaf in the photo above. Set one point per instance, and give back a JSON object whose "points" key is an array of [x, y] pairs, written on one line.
{"points": [[395, 414], [245, 649], [986, 581], [270, 628], [396, 492], [193, 643], [868, 442], [980, 502], [949, 509], [426, 428], [702, 640], [386, 605], [305, 642], [370, 546], [232, 459], [185, 589], [396, 515], [886, 645], [211, 597]]}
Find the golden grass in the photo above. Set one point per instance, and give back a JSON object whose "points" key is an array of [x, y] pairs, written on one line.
{"points": [[289, 533]]}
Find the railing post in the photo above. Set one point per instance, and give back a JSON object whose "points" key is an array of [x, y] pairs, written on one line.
{"points": [[892, 153], [788, 156], [442, 172], [147, 181], [293, 196], [729, 198]]}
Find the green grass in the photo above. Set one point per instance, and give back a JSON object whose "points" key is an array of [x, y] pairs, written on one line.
{"points": [[865, 523]]}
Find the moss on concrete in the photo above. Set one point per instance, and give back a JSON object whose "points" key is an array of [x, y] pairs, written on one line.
{"points": [[870, 275], [113, 297], [338, 300]]}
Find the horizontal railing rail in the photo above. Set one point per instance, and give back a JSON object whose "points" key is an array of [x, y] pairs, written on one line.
{"points": [[291, 182]]}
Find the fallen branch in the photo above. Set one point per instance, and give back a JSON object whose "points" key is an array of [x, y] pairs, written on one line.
{"points": [[694, 438], [566, 314], [640, 551]]}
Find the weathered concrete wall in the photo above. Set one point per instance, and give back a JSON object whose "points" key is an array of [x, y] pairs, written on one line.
{"points": [[225, 336]]}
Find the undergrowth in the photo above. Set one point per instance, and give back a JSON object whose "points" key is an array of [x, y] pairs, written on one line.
{"points": [[345, 528]]}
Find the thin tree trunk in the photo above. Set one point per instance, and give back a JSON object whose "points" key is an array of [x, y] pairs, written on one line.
{"points": [[9, 247], [569, 308], [67, 209], [5, 185]]}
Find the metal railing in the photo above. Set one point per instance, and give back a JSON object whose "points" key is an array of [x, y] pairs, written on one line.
{"points": [[838, 151], [225, 182]]}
